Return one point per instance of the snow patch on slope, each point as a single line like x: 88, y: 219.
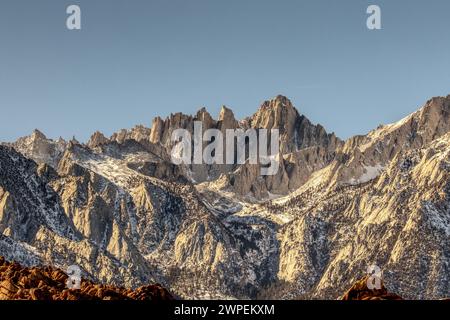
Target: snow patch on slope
x: 19, y: 251
x: 438, y: 220
x: 370, y: 173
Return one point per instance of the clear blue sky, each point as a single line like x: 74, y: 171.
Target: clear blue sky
x: 136, y: 59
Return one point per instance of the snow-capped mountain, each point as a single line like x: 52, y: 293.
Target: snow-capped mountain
x: 119, y: 208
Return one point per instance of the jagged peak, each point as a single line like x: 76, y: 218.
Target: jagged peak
x: 140, y: 127
x: 203, y: 114
x: 97, y: 139
x: 202, y: 110
x: 38, y: 135
x: 226, y: 113
x: 438, y: 99
x: 435, y: 104
x: 277, y: 112
x: 224, y: 110
x: 279, y: 107
x: 73, y: 142
x: 276, y: 102
x: 157, y: 119
x: 428, y: 116
x: 206, y: 118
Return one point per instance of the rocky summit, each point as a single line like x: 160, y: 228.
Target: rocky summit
x: 120, y: 210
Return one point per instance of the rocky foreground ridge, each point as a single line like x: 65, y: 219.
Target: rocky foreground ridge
x: 36, y: 283
x: 360, y: 291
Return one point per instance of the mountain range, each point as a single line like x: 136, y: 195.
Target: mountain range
x: 118, y: 208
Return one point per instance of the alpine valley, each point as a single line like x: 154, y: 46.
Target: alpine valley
x: 120, y: 210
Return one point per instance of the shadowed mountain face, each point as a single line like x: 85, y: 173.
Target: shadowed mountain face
x: 121, y: 211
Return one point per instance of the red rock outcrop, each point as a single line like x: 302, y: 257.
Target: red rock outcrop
x: 360, y: 291
x: 47, y: 283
